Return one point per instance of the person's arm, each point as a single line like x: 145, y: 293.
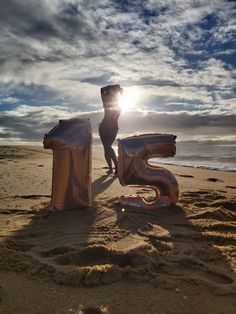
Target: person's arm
x: 110, y: 95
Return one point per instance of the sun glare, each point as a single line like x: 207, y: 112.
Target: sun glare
x: 128, y: 100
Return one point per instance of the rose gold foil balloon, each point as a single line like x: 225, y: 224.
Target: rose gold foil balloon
x: 71, y: 142
x: 134, y: 169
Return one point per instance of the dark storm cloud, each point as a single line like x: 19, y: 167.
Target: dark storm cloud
x: 32, y: 123
x: 100, y: 80
x: 44, y: 19
x: 181, y: 122
x: 28, y: 124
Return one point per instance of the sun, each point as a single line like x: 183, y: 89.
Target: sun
x: 128, y: 100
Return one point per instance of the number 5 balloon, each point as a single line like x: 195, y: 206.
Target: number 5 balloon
x: 134, y: 169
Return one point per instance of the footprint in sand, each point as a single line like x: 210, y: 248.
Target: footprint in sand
x: 93, y: 310
x: 230, y: 186
x: 214, y: 180
x: 184, y: 175
x: 31, y: 196
x: 19, y: 245
x: 91, y: 256
x: 100, y: 255
x: 213, y: 196
x: 56, y: 251
x: 198, y: 271
x: 230, y: 205
x: 195, y: 193
x: 217, y: 214
x: 213, y: 277
x: 202, y: 196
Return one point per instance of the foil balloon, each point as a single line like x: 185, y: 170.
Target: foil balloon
x: 71, y: 142
x: 134, y: 169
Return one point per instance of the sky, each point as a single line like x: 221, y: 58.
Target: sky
x: 176, y: 58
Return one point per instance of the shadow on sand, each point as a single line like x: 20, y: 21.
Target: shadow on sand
x: 189, y: 242
x: 185, y: 243
x: 101, y: 184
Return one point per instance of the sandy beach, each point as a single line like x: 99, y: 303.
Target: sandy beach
x: 179, y: 259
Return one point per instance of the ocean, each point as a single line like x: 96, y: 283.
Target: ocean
x: 218, y: 155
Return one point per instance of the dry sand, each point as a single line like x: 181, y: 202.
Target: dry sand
x: 179, y: 259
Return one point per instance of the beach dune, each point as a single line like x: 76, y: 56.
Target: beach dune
x: 178, y: 259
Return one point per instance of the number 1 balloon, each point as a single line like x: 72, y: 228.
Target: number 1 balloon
x: 71, y: 142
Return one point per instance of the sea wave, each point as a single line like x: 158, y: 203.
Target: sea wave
x: 218, y: 155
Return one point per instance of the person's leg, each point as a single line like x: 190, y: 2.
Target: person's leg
x: 107, y: 138
x: 114, y: 159
x: 110, y: 156
x: 111, y: 151
x: 107, y: 154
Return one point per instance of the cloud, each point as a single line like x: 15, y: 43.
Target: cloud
x: 31, y: 123
x: 178, y: 55
x: 183, y: 123
x: 8, y: 100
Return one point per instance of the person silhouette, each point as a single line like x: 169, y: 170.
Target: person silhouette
x: 108, y: 128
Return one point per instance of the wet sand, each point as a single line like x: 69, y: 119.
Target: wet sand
x: 180, y: 259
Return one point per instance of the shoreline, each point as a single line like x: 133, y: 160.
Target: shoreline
x: 196, y: 167
x: 98, y: 148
